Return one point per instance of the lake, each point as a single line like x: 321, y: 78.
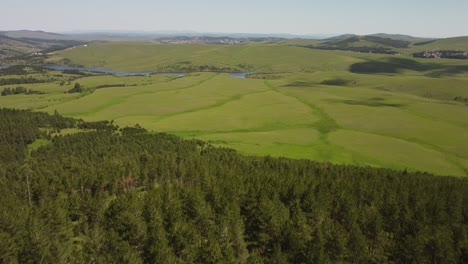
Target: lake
x: 241, y: 75
x: 107, y: 71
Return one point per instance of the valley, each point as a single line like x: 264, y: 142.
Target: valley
x: 341, y: 107
x: 241, y: 132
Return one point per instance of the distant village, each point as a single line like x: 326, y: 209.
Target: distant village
x: 212, y: 40
x: 224, y: 41
x: 438, y: 54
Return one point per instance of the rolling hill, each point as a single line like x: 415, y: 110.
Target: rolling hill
x: 13, y: 47
x: 458, y: 43
x: 356, y: 43
x: 29, y: 34
x: 383, y: 43
x: 24, y: 42
x: 401, y: 37
x: 342, y: 107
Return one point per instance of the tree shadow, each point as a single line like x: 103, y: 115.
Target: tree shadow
x: 396, y: 65
x: 300, y: 84
x: 337, y: 82
x: 372, y: 102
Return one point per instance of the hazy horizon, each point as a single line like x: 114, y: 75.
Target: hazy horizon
x: 418, y: 18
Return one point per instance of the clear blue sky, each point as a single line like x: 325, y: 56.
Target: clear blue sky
x: 430, y: 18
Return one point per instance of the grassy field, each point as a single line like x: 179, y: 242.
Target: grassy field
x: 336, y: 106
x: 255, y: 57
x: 403, y: 46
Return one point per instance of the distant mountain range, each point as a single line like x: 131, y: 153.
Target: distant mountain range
x: 390, y: 44
x: 29, y: 34
x: 32, y: 43
x: 383, y: 35
x: 157, y: 34
x: 116, y: 34
x: 27, y: 42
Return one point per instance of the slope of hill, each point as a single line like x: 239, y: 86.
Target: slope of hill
x: 191, y: 57
x: 341, y: 37
x: 342, y: 107
x: 13, y: 47
x: 458, y: 43
x: 385, y: 43
x: 29, y: 34
x: 366, y: 44
x: 21, y: 43
x: 401, y: 37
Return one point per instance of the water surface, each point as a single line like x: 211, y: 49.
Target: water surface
x: 241, y: 75
x: 108, y: 71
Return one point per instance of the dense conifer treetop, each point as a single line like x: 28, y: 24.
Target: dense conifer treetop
x: 122, y: 195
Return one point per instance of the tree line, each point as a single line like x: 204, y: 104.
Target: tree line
x: 22, y: 80
x: 123, y: 195
x: 18, y: 90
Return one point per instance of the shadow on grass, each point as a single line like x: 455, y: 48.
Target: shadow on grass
x: 373, y: 102
x: 332, y: 82
x: 300, y: 84
x: 337, y: 82
x: 395, y: 65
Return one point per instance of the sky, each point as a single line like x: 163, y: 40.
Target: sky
x: 424, y: 18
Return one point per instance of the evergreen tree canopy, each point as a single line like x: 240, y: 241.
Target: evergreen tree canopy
x: 114, y: 195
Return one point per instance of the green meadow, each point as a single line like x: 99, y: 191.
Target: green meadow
x: 336, y: 106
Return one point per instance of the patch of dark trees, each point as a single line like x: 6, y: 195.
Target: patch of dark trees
x: 98, y: 125
x: 128, y: 196
x: 21, y: 70
x: 461, y: 99
x: 338, y: 82
x: 112, y: 85
x: 189, y: 67
x: 77, y: 88
x: 22, y: 80
x: 18, y: 90
x: 76, y: 72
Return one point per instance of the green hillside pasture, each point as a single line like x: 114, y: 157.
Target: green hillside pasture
x: 459, y: 43
x: 296, y: 116
x: 395, y: 116
x: 264, y: 111
x: 36, y: 101
x: 101, y: 99
x: 411, y: 83
x: 156, y: 57
x: 397, y: 153
x: 55, y: 93
x: 106, y: 81
x: 403, y: 117
x: 155, y: 101
x: 54, y: 82
x: 298, y: 143
x: 49, y: 88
